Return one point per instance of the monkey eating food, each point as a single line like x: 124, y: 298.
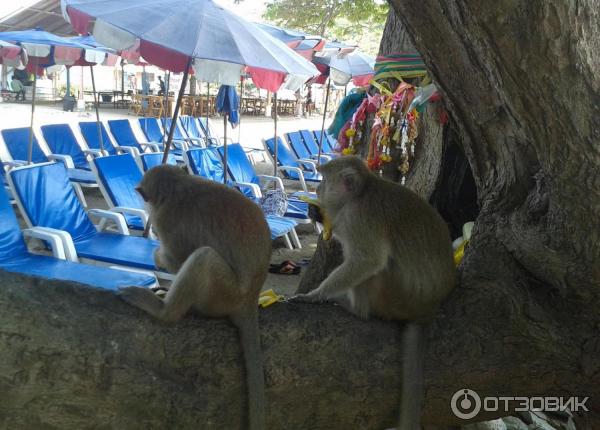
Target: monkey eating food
x: 219, y: 245
x: 398, y: 262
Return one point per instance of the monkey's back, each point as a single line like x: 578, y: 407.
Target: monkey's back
x: 205, y: 213
x: 420, y: 270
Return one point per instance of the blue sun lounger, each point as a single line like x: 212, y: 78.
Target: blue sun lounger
x: 46, y: 199
x: 152, y: 159
x: 192, y: 128
x: 207, y: 163
x: 296, y: 142
x: 89, y: 131
x: 329, y: 142
x: 292, y: 168
x: 124, y: 136
x: 61, y: 140
x: 179, y: 134
x: 17, y: 141
x: 312, y: 143
x: 244, y: 177
x: 118, y: 175
x: 154, y: 133
x: 15, y: 258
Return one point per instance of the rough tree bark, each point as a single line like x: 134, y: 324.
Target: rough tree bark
x: 521, y: 81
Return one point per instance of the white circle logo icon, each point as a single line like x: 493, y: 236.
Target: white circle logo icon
x: 465, y: 404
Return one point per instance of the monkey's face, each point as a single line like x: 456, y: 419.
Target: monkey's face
x: 160, y: 184
x: 343, y: 180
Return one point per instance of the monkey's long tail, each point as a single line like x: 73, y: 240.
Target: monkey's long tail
x: 413, y: 345
x: 255, y: 377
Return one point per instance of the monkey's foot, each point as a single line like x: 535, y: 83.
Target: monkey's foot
x: 142, y: 298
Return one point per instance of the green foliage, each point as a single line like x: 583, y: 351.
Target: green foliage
x: 345, y: 20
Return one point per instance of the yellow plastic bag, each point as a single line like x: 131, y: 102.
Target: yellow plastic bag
x: 460, y: 253
x: 267, y: 298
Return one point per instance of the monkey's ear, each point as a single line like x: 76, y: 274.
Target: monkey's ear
x: 352, y: 180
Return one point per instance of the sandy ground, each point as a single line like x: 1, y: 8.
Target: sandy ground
x: 253, y: 130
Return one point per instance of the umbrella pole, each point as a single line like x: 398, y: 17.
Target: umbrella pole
x: 96, y: 103
x: 207, y: 106
x: 323, y: 124
x: 240, y: 110
x: 68, y: 90
x: 275, y: 137
x: 167, y: 85
x: 225, y: 148
x: 30, y: 146
x: 176, y: 110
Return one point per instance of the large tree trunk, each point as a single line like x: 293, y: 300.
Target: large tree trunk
x: 80, y: 358
x: 521, y: 82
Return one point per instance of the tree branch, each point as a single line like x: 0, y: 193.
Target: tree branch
x: 75, y: 357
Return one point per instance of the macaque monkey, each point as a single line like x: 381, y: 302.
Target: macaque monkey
x: 219, y: 245
x: 397, y: 264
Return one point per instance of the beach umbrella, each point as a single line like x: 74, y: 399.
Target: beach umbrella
x: 304, y: 44
x: 43, y: 49
x: 195, y: 34
x: 12, y: 55
x: 343, y: 68
x: 228, y: 104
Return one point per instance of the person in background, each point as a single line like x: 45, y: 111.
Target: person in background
x: 309, y: 102
x: 298, y: 107
x: 18, y: 88
x: 162, y: 87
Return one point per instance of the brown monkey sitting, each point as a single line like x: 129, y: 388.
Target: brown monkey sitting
x: 398, y: 262
x: 219, y: 245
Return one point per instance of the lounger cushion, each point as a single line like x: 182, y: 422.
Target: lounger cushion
x: 120, y: 175
x: 52, y: 268
x: 89, y: 130
x: 17, y: 143
x: 118, y: 249
x: 296, y: 142
x: 81, y: 176
x: 14, y: 257
x: 61, y: 140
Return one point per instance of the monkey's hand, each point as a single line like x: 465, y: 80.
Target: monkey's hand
x: 312, y: 297
x: 317, y: 214
x: 314, y: 213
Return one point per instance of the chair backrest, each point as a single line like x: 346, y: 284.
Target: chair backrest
x: 17, y: 141
x: 119, y: 175
x: 205, y: 162
x: 47, y: 199
x: 284, y: 155
x: 177, y: 133
x: 151, y: 129
x: 190, y: 126
x: 61, y: 140
x: 12, y: 244
x: 296, y: 142
x: 205, y: 127
x: 239, y: 168
x: 310, y: 142
x: 123, y: 133
x: 328, y: 144
x: 152, y: 159
x: 89, y: 131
